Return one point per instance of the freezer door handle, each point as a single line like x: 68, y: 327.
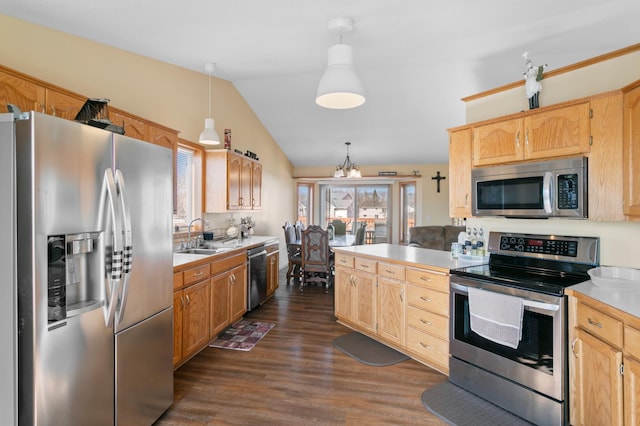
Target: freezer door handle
x: 128, y: 242
x: 113, y: 231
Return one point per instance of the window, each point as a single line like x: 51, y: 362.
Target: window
x: 355, y: 204
x: 305, y: 203
x: 407, y: 209
x: 188, y: 185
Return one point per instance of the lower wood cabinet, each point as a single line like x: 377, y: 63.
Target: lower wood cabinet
x: 604, y: 364
x: 208, y: 296
x: 273, y: 263
x: 404, y: 307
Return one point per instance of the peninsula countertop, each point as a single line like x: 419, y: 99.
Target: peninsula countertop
x: 410, y: 256
x: 625, y: 300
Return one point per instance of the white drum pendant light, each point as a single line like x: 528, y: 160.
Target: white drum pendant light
x: 340, y: 87
x: 209, y: 136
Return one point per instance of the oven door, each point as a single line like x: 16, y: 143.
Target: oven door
x: 539, y: 361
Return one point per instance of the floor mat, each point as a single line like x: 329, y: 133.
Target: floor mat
x: 242, y: 336
x: 368, y: 351
x: 458, y: 407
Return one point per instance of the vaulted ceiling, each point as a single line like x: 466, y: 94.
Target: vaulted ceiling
x: 416, y: 58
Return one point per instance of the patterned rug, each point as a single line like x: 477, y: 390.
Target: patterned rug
x: 242, y: 336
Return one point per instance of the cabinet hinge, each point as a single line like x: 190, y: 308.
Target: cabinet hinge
x: 622, y: 369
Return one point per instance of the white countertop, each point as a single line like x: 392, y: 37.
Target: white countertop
x: 409, y: 255
x: 244, y: 243
x: 626, y: 300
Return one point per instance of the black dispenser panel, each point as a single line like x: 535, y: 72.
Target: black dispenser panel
x: 56, y: 278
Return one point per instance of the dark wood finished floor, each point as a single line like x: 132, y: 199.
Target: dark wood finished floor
x: 295, y: 376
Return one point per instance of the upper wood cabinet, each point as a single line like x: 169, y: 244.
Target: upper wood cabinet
x: 233, y: 182
x: 133, y: 127
x: 460, y: 172
x: 551, y: 133
x: 631, y: 150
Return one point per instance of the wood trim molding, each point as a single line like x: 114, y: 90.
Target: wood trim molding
x: 563, y: 70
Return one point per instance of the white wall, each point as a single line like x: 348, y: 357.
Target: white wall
x: 619, y: 241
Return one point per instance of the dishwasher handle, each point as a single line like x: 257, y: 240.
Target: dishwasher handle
x: 258, y: 254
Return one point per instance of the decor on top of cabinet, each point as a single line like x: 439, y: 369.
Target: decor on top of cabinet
x: 95, y: 112
x: 533, y: 76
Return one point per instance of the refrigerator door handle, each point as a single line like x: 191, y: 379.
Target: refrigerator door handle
x: 113, y: 276
x: 128, y: 242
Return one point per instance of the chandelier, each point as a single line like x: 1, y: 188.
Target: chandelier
x: 347, y: 169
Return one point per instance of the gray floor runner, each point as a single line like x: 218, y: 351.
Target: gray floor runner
x: 368, y: 351
x: 458, y: 407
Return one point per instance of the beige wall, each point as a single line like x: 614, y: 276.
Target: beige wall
x: 618, y: 240
x: 161, y: 92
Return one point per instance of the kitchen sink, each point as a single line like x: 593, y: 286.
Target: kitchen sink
x: 204, y: 251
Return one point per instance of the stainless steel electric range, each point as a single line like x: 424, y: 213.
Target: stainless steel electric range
x: 530, y: 380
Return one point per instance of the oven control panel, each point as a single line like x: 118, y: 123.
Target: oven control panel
x: 554, y: 247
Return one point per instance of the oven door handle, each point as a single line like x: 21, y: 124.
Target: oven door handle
x: 528, y: 303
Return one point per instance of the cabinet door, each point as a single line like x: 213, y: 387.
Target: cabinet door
x: 178, y: 304
x: 390, y: 309
x: 245, y: 184
x: 133, y: 127
x: 598, y: 384
x: 496, y: 143
x: 63, y: 105
x: 631, y: 391
x: 365, y: 296
x: 256, y: 186
x: 460, y: 173
x: 234, y: 172
x: 163, y: 137
x: 24, y: 94
x: 220, y: 316
x: 631, y: 152
x: 195, y: 318
x: 238, y: 292
x: 273, y: 260
x: 556, y: 133
x: 344, y: 293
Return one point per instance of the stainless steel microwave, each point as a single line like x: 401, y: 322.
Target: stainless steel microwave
x: 555, y: 188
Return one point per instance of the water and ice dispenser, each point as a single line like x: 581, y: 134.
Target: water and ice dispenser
x: 75, y: 272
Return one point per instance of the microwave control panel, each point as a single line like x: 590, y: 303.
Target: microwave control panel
x: 568, y: 191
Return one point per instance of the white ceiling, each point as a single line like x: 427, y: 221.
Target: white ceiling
x: 416, y: 58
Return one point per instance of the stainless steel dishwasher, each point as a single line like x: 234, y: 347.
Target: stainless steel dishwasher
x: 257, y: 292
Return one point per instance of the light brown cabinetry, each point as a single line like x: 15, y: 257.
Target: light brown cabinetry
x: 228, y: 292
x: 631, y: 149
x: 408, y: 305
x: 556, y: 132
x: 604, y: 364
x: 273, y: 262
x: 460, y: 172
x: 233, y: 182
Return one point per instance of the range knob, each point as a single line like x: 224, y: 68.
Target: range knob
x: 520, y: 247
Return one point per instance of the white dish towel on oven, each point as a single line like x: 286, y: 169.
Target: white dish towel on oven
x: 496, y: 317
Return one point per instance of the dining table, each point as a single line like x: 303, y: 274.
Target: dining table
x: 344, y: 240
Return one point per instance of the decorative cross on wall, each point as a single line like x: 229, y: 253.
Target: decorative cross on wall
x: 438, y: 178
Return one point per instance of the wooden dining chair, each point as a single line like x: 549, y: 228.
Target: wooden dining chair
x: 293, y: 252
x: 317, y: 265
x: 339, y: 227
x: 360, y: 233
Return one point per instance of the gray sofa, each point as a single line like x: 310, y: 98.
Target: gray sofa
x: 434, y: 237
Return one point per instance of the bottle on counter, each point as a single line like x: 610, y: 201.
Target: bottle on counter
x: 480, y: 246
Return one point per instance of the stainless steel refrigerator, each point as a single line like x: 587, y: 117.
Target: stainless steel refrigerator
x: 93, y: 216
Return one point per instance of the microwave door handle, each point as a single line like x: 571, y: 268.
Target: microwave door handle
x: 547, y: 192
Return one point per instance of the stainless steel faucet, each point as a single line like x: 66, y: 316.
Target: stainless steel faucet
x: 189, y: 230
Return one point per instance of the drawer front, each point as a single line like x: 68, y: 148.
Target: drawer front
x: 429, y: 300
x: 632, y: 341
x: 344, y: 260
x: 196, y: 274
x: 428, y: 347
x: 390, y: 270
x: 431, y: 279
x: 178, y: 280
x: 600, y: 324
x: 367, y: 265
x: 224, y: 264
x: 428, y: 322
